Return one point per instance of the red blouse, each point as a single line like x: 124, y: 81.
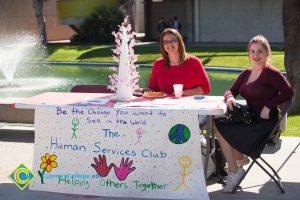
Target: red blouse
x: 191, y: 74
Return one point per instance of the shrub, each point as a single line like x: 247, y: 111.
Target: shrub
x: 98, y: 27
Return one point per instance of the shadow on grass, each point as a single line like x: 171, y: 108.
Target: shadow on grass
x: 206, y: 60
x: 98, y: 52
x: 52, y: 48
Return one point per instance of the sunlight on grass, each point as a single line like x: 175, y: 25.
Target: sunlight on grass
x: 210, y: 56
x: 293, y: 126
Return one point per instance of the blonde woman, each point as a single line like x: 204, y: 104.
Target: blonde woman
x: 264, y: 88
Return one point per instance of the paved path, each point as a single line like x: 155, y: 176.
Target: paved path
x: 18, y: 147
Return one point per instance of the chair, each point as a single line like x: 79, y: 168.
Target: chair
x: 284, y: 109
x: 91, y: 89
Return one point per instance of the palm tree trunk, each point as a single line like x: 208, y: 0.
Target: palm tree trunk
x: 291, y: 26
x: 129, y: 4
x: 38, y: 5
x: 127, y: 10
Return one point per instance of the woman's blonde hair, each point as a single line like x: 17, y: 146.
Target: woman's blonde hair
x: 181, y: 47
x: 262, y: 40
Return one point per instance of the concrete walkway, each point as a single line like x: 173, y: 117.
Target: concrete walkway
x: 16, y: 147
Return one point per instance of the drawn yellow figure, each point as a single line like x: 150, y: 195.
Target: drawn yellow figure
x: 184, y: 162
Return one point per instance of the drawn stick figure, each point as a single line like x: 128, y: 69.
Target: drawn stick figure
x: 184, y: 162
x: 75, y: 122
x: 139, y: 133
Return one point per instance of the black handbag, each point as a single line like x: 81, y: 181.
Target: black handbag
x: 241, y: 114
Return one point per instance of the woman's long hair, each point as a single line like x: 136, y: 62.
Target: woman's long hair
x: 181, y: 47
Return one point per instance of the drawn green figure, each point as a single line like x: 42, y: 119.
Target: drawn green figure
x: 184, y: 162
x: 75, y: 123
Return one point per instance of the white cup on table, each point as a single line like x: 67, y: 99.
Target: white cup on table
x: 178, y: 90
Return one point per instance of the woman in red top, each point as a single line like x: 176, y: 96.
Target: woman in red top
x: 176, y: 67
x: 264, y: 88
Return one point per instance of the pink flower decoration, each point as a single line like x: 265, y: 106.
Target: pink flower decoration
x: 134, y: 74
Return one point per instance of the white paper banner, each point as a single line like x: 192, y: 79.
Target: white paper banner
x: 120, y: 152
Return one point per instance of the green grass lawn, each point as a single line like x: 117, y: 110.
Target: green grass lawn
x: 293, y: 126
x: 210, y: 56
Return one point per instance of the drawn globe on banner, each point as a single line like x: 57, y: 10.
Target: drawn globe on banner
x: 179, y: 134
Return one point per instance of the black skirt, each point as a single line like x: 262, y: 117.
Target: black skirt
x: 249, y: 140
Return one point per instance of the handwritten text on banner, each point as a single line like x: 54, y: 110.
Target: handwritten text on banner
x: 121, y: 152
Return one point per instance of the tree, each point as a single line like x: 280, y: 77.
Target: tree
x: 38, y: 5
x: 98, y: 27
x: 291, y: 26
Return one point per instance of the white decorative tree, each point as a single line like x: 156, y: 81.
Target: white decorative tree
x: 124, y: 81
